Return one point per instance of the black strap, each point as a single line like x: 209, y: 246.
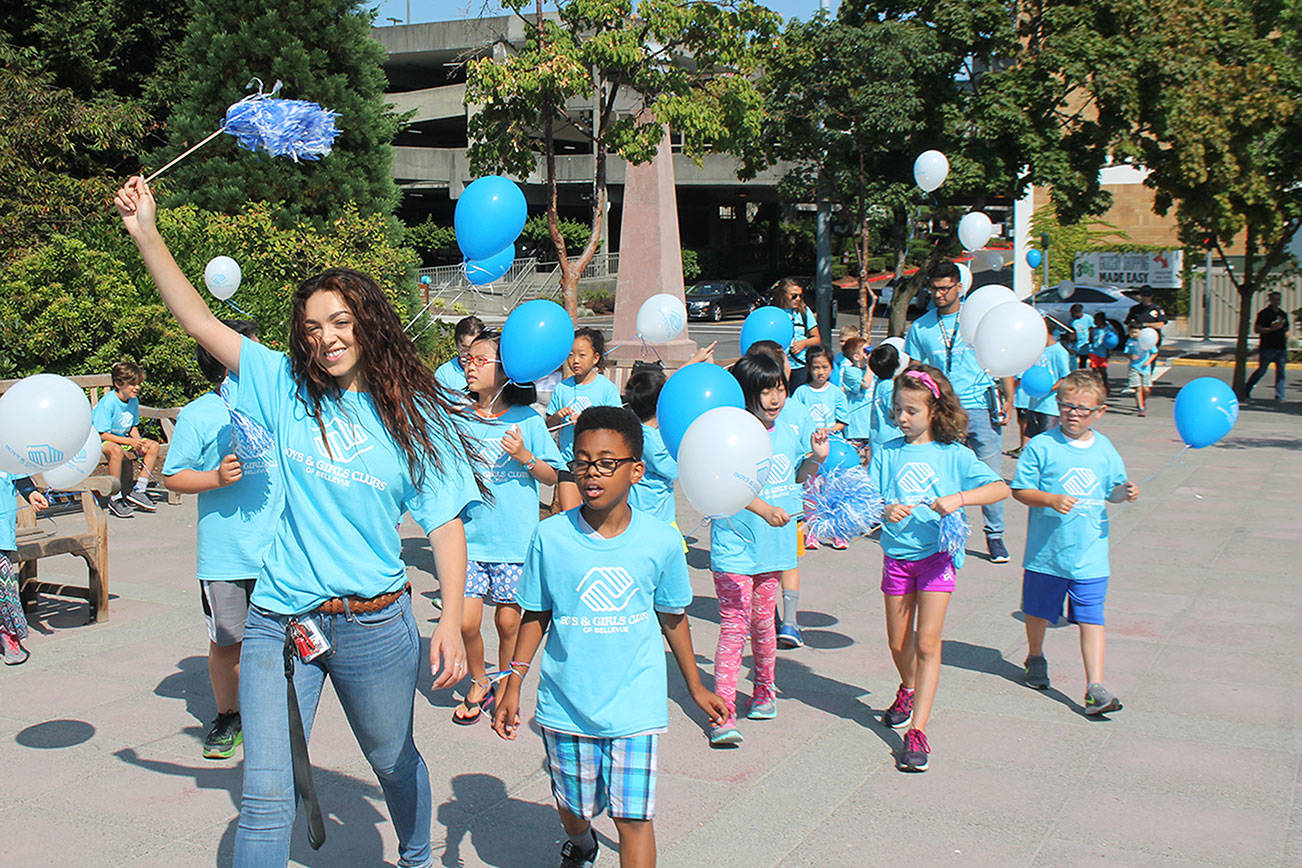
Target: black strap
x: 298, y: 751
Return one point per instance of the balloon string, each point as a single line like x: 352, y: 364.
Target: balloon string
x: 1152, y: 475
x: 237, y: 308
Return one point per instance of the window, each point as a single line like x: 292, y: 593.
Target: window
x: 1091, y: 296
x: 727, y: 212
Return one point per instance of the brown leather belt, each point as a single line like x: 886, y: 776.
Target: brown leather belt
x: 336, y: 605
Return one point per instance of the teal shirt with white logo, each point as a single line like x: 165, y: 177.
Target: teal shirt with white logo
x: 654, y: 492
x: 858, y: 387
x: 1075, y: 545
x: 827, y: 406
x: 601, y: 392
x: 499, y: 532
x: 112, y: 415
x: 935, y: 340
x: 345, y: 493
x: 236, y: 522
x: 603, y: 664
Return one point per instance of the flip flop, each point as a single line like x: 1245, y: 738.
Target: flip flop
x: 477, y: 707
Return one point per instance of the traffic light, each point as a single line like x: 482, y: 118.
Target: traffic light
x: 1044, y: 242
x: 1209, y: 241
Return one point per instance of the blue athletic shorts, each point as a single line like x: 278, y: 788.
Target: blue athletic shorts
x: 1043, y: 596
x: 592, y: 775
x: 496, y: 583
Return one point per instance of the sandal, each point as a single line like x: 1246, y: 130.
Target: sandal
x: 476, y: 708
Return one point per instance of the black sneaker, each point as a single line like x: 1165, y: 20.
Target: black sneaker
x: 120, y: 508
x: 140, y: 500
x: 1037, y: 672
x: 573, y: 857
x: 914, y: 756
x: 224, y: 737
x: 998, y: 551
x: 901, y: 711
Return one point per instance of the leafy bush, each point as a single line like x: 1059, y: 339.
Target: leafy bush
x: 691, y: 265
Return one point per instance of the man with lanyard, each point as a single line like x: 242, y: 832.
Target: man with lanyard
x: 1272, y: 325
x: 934, y: 340
x: 1148, y: 314
x: 791, y: 296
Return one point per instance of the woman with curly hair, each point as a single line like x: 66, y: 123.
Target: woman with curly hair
x: 363, y: 434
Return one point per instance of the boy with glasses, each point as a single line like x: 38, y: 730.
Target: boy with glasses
x: 1067, y: 477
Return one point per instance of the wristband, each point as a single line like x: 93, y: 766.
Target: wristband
x: 961, y: 500
x: 533, y: 459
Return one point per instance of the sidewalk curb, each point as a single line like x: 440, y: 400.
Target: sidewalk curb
x: 1201, y: 363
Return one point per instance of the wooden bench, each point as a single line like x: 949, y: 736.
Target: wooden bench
x: 83, y: 534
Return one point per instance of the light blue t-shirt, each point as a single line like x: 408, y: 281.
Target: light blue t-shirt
x: 654, y: 492
x: 499, y: 532
x: 883, y: 428
x: 345, y: 494
x: 1057, y: 361
x: 747, y: 544
x: 8, y: 513
x: 601, y: 392
x: 450, y: 375
x: 917, y: 474
x: 1097, y: 346
x: 236, y: 522
x: 839, y: 362
x: 1133, y: 349
x: 1081, y: 326
x: 934, y: 340
x: 112, y: 415
x: 804, y: 322
x: 857, y: 384
x: 1075, y: 545
x: 827, y: 406
x: 603, y: 665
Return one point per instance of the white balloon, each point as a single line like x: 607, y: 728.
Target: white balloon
x: 930, y: 170
x: 1010, y: 339
x: 661, y: 318
x: 222, y: 277
x: 80, y: 466
x: 964, y: 277
x: 723, y: 461
x: 43, y: 422
x: 977, y: 305
x: 974, y: 230
x: 1148, y: 338
x: 1065, y: 289
x: 995, y: 260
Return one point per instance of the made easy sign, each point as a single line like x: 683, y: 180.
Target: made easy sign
x: 1159, y: 269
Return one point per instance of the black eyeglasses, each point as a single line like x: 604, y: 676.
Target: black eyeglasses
x: 1078, y: 409
x: 603, y: 466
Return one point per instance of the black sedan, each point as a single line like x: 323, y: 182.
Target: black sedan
x: 715, y: 300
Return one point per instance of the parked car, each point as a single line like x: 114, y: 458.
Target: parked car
x: 1114, y: 302
x: 717, y: 299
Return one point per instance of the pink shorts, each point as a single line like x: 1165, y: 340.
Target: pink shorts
x: 933, y: 573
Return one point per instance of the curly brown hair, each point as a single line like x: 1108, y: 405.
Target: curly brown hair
x: 412, y: 405
x: 948, y: 418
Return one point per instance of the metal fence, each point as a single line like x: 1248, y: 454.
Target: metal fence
x: 1217, y: 314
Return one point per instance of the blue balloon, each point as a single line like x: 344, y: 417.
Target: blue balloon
x: 840, y: 456
x: 489, y: 216
x: 767, y: 323
x: 536, y: 339
x: 690, y: 392
x: 1034, y: 258
x: 1205, y: 411
x: 1110, y: 339
x: 1037, y: 382
x: 487, y: 270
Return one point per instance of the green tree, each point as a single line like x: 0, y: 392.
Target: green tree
x: 323, y: 51
x: 688, y: 65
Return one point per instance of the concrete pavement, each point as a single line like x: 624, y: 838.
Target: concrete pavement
x: 100, y: 731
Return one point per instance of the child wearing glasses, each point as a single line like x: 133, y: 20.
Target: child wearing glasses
x: 1067, y: 477
x: 588, y: 387
x: 517, y: 453
x: 608, y: 580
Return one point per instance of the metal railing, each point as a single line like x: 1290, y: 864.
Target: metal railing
x: 1217, y: 315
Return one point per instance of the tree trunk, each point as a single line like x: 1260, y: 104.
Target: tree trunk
x: 1241, y: 343
x: 866, y: 307
x: 899, y: 316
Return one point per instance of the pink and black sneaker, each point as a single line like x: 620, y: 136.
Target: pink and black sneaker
x: 913, y: 758
x: 901, y: 711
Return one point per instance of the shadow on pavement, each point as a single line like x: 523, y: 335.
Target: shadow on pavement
x: 190, y: 683
x: 501, y: 830
x: 52, y: 734
x: 978, y: 658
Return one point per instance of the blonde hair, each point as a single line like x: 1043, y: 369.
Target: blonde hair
x: 1083, y: 381
x: 846, y: 332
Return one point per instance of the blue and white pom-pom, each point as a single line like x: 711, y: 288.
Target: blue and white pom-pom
x: 842, y: 504
x: 954, y: 530
x: 293, y: 128
x: 249, y: 439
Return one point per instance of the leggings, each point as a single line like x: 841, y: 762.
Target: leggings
x: 746, y: 607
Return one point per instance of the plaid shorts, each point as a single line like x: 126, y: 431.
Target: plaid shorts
x: 591, y: 775
x: 497, y: 583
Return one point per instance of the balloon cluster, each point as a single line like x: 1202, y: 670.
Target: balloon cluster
x: 487, y: 220
x: 45, y: 428
x: 1007, y: 336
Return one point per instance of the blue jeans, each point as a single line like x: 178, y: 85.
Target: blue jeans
x: 987, y: 442
x: 1266, y: 358
x: 373, y: 663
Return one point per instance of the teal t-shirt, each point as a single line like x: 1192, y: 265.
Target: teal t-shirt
x: 499, y: 532
x: 827, y: 406
x: 601, y: 392
x: 857, y: 384
x: 8, y: 512
x: 345, y: 493
x: 1057, y: 361
x: 883, y: 427
x: 747, y: 544
x: 917, y: 474
x: 803, y: 322
x: 934, y: 340
x: 1075, y: 545
x: 1137, y: 355
x: 236, y: 522
x: 1081, y: 326
x: 112, y: 415
x: 654, y: 492
x: 603, y: 664
x: 450, y: 375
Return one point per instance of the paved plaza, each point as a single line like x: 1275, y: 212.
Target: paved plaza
x: 100, y: 731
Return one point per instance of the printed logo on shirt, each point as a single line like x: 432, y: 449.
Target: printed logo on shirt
x: 1080, y: 482
x: 347, y: 441
x: 822, y: 414
x: 491, y: 452
x: 916, y: 477
x: 606, y: 592
x: 125, y: 419
x: 579, y: 403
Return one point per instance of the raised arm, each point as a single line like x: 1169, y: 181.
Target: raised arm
x: 135, y: 203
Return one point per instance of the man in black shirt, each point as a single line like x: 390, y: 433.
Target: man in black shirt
x: 1148, y: 314
x: 1272, y: 325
